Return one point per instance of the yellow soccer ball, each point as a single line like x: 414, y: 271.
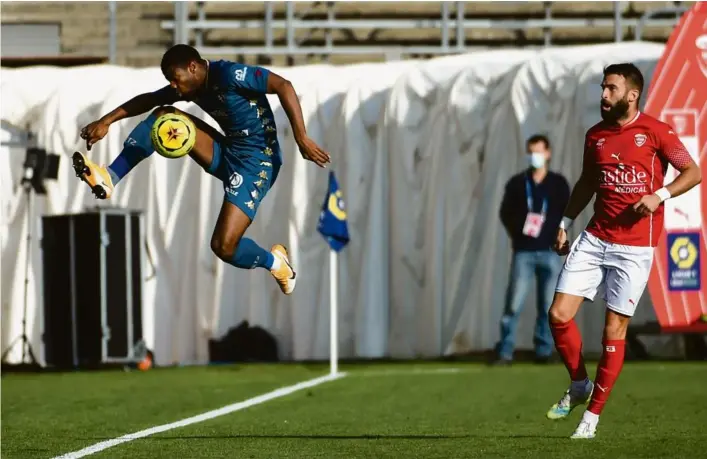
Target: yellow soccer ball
x: 173, y: 135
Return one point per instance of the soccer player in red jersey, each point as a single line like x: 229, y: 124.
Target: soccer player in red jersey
x: 626, y: 157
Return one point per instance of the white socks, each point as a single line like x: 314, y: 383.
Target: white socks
x: 276, y: 263
x: 113, y: 177
x: 590, y: 418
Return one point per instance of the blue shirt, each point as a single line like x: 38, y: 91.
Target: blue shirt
x: 235, y: 98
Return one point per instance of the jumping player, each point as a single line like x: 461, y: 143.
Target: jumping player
x: 247, y: 159
x: 625, y: 160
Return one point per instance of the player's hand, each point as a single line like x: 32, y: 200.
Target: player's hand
x: 312, y: 152
x: 94, y: 132
x: 562, y: 245
x: 647, y: 205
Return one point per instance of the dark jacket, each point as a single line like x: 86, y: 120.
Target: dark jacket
x: 514, y: 209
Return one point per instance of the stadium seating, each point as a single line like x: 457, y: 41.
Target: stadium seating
x: 142, y: 37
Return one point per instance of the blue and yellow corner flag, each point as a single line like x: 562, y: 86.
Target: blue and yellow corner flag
x: 332, y: 221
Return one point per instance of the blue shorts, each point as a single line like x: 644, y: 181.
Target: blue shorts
x: 247, y: 175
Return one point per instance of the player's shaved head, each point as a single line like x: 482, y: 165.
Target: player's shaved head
x: 186, y: 71
x: 178, y: 56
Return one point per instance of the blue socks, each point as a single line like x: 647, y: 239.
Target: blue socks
x: 250, y: 255
x: 136, y: 147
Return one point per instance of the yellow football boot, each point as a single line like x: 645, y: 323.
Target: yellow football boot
x: 96, y: 176
x: 284, y: 274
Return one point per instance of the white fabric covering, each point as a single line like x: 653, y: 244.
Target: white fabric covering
x: 422, y: 150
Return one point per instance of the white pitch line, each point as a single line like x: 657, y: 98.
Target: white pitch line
x: 417, y: 371
x: 93, y: 449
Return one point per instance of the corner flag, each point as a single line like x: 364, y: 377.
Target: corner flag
x: 332, y: 225
x: 332, y: 220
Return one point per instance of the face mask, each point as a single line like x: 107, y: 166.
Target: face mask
x: 536, y: 160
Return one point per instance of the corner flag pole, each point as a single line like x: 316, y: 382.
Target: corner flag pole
x: 333, y: 312
x: 332, y: 225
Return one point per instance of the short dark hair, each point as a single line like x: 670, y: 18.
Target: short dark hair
x: 178, y: 56
x: 628, y: 71
x: 539, y: 138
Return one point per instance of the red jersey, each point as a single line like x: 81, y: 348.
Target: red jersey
x: 626, y: 163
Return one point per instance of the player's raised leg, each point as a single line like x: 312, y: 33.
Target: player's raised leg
x: 580, y: 277
x: 137, y: 147
x: 230, y: 246
x: 568, y: 342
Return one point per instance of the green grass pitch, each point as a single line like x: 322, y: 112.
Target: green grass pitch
x: 406, y: 410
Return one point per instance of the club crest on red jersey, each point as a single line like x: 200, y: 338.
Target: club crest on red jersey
x: 640, y: 139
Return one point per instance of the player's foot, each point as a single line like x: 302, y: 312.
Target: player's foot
x: 574, y: 397
x: 587, y: 427
x: 282, y: 270
x: 97, y: 177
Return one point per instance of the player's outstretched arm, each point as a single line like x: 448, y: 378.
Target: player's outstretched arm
x: 290, y: 103
x: 138, y: 105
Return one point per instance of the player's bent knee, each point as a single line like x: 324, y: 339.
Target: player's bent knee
x: 564, y: 307
x: 561, y: 312
x: 616, y: 326
x: 558, y: 315
x: 223, y: 249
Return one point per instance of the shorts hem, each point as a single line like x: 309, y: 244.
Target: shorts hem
x: 250, y: 213
x: 575, y: 293
x: 621, y: 311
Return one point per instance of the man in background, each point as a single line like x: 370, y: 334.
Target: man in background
x: 532, y: 207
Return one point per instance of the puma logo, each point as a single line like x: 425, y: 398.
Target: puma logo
x: 603, y: 389
x: 616, y: 155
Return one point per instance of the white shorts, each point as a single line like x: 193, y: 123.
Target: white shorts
x: 622, y: 271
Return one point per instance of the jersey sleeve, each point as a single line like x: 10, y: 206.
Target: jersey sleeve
x: 167, y: 95
x: 248, y: 77
x: 671, y: 149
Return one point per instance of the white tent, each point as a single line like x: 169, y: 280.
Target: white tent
x: 422, y: 150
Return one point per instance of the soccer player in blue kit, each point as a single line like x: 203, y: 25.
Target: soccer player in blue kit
x: 247, y: 159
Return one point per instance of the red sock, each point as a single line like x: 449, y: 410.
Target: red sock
x: 612, y: 360
x: 568, y: 342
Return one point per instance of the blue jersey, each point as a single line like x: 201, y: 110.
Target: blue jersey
x: 235, y: 98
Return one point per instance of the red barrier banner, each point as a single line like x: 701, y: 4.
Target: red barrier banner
x: 678, y: 96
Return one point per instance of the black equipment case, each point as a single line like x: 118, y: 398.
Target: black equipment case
x: 93, y: 288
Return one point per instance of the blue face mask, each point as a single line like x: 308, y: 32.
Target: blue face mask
x: 536, y: 160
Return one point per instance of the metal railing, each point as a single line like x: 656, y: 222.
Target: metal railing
x: 679, y: 10
x: 182, y: 26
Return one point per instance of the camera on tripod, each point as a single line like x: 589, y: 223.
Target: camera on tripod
x: 38, y: 167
